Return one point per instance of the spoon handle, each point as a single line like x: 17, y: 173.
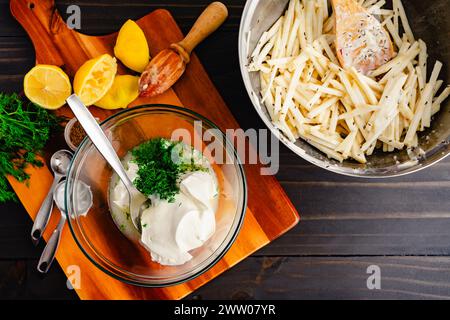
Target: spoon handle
x: 48, y: 255
x: 98, y: 137
x: 44, y: 213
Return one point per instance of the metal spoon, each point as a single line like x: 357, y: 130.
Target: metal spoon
x: 101, y: 142
x: 83, y: 197
x: 59, y: 164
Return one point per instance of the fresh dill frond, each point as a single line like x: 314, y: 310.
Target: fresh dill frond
x: 24, y: 130
x: 158, y: 173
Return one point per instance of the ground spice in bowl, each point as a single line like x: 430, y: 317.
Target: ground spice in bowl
x: 74, y: 133
x: 77, y: 134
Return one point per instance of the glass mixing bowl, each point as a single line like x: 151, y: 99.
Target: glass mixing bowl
x: 96, y: 233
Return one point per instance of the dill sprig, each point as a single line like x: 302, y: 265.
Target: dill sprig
x: 158, y: 174
x: 24, y: 130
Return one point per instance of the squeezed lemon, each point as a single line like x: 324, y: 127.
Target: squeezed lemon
x: 94, y: 78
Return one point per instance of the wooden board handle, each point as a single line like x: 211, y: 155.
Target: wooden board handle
x: 41, y: 21
x: 208, y: 22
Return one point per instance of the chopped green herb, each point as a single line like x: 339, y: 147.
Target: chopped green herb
x: 24, y: 130
x: 158, y: 174
x: 144, y: 225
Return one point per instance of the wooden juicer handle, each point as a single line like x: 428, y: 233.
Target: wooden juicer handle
x: 208, y: 22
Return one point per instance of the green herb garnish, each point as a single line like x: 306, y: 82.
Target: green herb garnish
x: 158, y: 174
x: 24, y: 130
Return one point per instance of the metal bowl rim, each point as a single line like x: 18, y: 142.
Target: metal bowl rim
x: 247, y: 14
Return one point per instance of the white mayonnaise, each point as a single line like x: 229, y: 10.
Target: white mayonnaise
x: 169, y: 230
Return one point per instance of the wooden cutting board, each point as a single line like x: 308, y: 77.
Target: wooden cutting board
x: 270, y: 213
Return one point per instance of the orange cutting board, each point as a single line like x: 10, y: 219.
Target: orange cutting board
x: 270, y: 213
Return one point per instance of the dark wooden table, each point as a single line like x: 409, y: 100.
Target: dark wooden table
x: 401, y: 225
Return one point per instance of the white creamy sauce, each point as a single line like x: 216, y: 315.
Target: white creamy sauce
x: 119, y: 201
x: 82, y: 194
x: 170, y: 230
x: 120, y: 196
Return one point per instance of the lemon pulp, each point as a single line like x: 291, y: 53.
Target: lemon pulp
x: 94, y: 78
x: 47, y: 86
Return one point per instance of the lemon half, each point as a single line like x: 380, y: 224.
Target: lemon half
x: 94, y: 78
x: 47, y: 86
x: 124, y: 91
x: 132, y: 47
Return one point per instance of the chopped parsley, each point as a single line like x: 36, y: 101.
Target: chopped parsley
x: 158, y: 174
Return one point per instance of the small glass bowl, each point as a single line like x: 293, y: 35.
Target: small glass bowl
x: 68, y: 129
x: 97, y: 235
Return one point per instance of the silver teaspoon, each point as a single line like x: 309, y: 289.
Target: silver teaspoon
x: 59, y: 164
x: 83, y: 197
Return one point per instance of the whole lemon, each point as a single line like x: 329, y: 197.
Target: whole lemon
x: 132, y: 47
x: 124, y: 90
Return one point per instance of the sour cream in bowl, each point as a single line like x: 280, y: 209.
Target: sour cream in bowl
x: 179, y: 220
x: 197, y: 201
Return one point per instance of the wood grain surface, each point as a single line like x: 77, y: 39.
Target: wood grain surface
x: 56, y: 44
x: 401, y: 225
